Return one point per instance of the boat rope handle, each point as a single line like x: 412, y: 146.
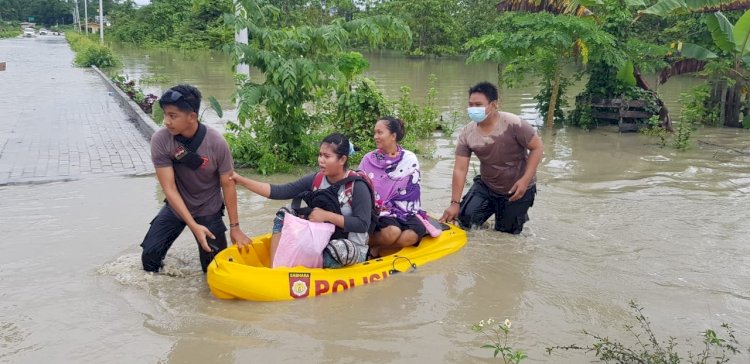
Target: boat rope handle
x: 412, y: 266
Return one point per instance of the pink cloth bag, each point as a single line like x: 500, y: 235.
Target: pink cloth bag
x: 302, y: 243
x: 432, y: 230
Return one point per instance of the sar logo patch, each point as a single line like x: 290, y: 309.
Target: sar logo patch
x: 299, y: 284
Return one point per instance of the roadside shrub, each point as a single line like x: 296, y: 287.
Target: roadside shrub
x: 145, y: 102
x: 89, y: 52
x: 9, y: 29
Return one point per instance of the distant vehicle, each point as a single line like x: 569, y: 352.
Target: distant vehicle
x: 43, y: 32
x: 29, y: 32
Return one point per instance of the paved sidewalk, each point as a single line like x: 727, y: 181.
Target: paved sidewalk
x: 57, y: 121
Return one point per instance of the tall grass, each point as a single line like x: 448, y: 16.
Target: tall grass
x: 9, y: 29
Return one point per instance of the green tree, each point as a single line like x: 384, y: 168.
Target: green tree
x: 183, y: 24
x: 544, y: 44
x: 47, y: 12
x: 435, y: 24
x: 616, y: 74
x: 299, y: 65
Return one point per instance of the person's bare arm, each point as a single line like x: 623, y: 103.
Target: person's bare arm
x: 261, y: 188
x: 229, y: 190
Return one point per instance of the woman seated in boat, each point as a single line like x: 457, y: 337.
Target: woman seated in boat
x: 395, y: 174
x: 354, y: 198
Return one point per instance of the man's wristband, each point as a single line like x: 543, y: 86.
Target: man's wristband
x: 455, y: 202
x: 236, y: 224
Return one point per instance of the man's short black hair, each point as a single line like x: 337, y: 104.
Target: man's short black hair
x: 485, y: 88
x: 190, y: 100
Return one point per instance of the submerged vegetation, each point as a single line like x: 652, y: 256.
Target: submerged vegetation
x: 647, y: 348
x: 642, y: 346
x: 312, y: 85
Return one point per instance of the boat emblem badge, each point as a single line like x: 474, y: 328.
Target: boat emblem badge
x: 299, y: 284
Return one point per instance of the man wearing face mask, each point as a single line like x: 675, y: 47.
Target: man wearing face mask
x: 509, y: 151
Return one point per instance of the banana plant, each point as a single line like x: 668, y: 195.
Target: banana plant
x: 560, y: 7
x: 732, y: 40
x: 667, y: 7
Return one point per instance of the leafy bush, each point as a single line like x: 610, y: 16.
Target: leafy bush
x: 357, y: 111
x: 251, y: 144
x: 89, y: 52
x: 654, y: 129
x: 352, y: 112
x: 419, y: 122
x: 697, y: 107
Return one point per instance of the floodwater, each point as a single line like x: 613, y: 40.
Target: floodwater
x: 617, y: 218
x: 212, y: 73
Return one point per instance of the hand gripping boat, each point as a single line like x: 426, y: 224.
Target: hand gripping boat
x: 248, y: 276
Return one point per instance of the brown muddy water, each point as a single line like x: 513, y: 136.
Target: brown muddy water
x: 616, y: 218
x: 212, y: 73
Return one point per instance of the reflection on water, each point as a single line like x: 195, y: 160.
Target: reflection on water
x: 212, y: 73
x: 616, y: 218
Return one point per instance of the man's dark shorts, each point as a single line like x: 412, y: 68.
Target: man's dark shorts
x: 481, y: 202
x: 166, y: 227
x: 411, y: 223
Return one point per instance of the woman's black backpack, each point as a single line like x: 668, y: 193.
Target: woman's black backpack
x: 328, y: 199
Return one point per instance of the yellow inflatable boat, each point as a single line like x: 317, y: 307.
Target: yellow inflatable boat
x: 247, y: 275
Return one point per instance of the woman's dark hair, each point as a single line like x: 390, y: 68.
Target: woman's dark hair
x: 395, y: 126
x: 340, y: 144
x: 186, y: 98
x: 485, y: 88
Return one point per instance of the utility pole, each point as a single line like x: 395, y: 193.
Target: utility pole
x: 241, y: 37
x: 86, y: 14
x: 101, y: 22
x: 77, y: 16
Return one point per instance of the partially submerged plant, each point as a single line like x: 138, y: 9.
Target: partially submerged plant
x: 498, y: 334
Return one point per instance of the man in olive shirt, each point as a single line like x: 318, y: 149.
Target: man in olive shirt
x: 193, y: 165
x: 509, y: 151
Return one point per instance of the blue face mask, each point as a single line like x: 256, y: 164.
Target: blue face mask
x: 477, y: 114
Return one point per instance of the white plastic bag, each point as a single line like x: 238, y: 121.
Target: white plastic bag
x: 302, y: 242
